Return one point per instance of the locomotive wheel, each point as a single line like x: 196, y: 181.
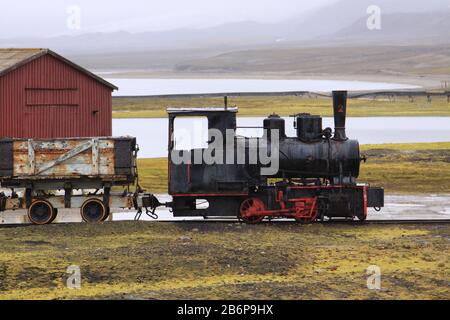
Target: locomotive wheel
x: 41, y: 212
x: 249, y: 209
x: 304, y: 220
x: 93, y: 210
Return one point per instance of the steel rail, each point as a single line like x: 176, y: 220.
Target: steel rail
x: 281, y: 221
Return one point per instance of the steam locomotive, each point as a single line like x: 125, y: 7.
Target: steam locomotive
x: 315, y: 176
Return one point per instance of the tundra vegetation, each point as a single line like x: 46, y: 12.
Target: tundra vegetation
x: 186, y: 260
x: 149, y: 107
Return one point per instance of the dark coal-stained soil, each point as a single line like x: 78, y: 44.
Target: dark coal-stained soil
x: 124, y: 260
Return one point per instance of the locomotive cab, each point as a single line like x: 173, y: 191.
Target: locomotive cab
x: 199, y: 187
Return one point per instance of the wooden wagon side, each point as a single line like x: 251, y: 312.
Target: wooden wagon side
x: 82, y: 162
x: 50, y: 170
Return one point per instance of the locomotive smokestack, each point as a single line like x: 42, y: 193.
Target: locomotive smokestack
x: 340, y: 111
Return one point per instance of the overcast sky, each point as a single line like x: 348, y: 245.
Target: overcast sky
x: 50, y: 17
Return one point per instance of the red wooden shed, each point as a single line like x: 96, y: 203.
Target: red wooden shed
x: 44, y: 95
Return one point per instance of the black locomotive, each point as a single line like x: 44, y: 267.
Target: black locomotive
x: 316, y: 176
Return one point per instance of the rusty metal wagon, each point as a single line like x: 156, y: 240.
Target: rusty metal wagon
x: 49, y: 171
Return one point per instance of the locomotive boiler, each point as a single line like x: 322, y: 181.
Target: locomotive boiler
x: 314, y: 152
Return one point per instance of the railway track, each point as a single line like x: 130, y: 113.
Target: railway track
x: 336, y: 221
x: 412, y: 221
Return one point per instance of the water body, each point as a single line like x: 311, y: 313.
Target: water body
x: 143, y: 87
x: 152, y: 134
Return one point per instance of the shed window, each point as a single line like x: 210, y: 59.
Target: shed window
x: 52, y: 97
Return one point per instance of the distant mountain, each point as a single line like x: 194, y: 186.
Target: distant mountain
x: 234, y: 35
x: 399, y: 28
x: 299, y: 61
x: 345, y: 13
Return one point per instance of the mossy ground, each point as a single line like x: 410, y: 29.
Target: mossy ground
x: 139, y: 107
x: 399, y: 168
x: 225, y: 261
x: 408, y: 168
x: 236, y: 261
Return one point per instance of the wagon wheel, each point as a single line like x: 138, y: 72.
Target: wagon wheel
x: 41, y: 212
x: 93, y: 210
x: 108, y: 212
x: 55, y: 213
x: 249, y: 209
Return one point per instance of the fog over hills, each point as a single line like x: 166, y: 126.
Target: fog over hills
x: 345, y: 20
x: 228, y: 35
x: 414, y: 39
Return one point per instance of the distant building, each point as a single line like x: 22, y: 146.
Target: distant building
x: 44, y: 95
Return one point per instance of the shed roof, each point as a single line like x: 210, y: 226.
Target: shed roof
x: 13, y: 58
